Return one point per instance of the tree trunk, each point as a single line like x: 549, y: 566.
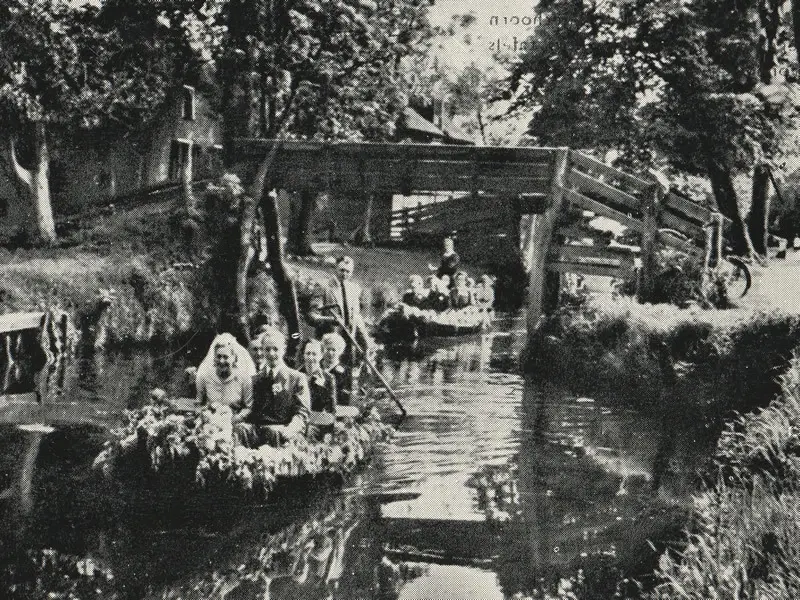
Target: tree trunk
x: 35, y: 183
x: 725, y: 195
x: 302, y: 231
x: 246, y: 253
x: 366, y: 232
x: 796, y: 24
x: 186, y: 182
x: 286, y: 290
x: 758, y: 219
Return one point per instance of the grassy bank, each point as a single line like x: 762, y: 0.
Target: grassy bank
x: 743, y: 536
x: 131, y: 257
x: 644, y: 354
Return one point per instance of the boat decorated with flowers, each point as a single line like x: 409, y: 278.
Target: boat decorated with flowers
x: 405, y: 322
x: 176, y: 445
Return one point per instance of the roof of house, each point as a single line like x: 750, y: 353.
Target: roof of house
x: 454, y: 133
x: 413, y: 121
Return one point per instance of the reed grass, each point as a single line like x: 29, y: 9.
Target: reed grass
x: 742, y: 542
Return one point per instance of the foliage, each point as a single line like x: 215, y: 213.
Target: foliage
x: 743, y: 539
x: 67, y: 69
x: 319, y: 70
x: 52, y: 575
x: 204, y: 442
x: 714, y: 360
x: 679, y: 280
x: 465, y: 83
x: 699, y: 83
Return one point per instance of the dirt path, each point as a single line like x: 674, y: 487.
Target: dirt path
x: 777, y: 286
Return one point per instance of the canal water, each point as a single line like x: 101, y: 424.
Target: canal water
x: 491, y: 489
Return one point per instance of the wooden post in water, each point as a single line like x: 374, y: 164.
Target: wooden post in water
x: 650, y: 209
x: 540, y: 234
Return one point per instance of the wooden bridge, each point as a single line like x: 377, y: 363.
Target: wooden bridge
x: 543, y: 198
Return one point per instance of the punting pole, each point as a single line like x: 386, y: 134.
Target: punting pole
x: 369, y: 363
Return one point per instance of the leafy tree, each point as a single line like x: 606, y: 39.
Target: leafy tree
x: 66, y: 69
x: 313, y: 70
x: 693, y: 82
x: 466, y: 81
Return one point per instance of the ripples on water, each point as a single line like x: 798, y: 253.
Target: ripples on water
x: 481, y: 495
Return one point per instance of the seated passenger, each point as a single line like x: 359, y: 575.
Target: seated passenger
x: 257, y: 352
x: 333, y: 346
x: 484, y: 292
x: 417, y: 295
x: 321, y: 384
x: 460, y: 295
x: 281, y: 400
x: 225, y: 375
x: 438, y: 299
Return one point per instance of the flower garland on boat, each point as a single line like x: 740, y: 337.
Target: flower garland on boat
x: 167, y: 437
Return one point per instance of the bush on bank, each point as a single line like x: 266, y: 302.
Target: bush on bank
x: 654, y: 353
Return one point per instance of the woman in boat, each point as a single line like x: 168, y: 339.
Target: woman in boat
x: 321, y: 384
x: 417, y: 295
x: 460, y: 294
x: 226, y: 375
x: 438, y: 299
x: 484, y: 292
x: 449, y: 260
x: 333, y: 347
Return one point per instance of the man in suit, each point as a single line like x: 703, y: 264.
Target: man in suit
x: 342, y: 296
x: 281, y: 399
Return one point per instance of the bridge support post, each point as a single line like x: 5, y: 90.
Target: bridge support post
x: 650, y: 209
x: 539, y: 237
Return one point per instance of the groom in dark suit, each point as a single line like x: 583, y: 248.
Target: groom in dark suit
x: 281, y: 400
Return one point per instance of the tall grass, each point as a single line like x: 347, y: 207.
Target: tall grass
x: 743, y: 537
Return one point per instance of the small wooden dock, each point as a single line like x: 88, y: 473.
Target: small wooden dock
x: 23, y: 321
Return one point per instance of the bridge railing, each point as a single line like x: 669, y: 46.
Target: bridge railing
x: 591, y: 186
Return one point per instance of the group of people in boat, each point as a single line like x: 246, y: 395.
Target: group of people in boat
x: 271, y: 402
x: 440, y: 294
x: 449, y: 288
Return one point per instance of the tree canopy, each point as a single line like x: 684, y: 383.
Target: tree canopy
x: 66, y: 69
x: 709, y: 87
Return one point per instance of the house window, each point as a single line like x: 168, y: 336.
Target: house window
x: 187, y: 104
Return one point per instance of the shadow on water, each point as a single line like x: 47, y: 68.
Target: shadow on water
x: 491, y: 487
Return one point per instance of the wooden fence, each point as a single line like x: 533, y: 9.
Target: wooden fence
x: 593, y: 187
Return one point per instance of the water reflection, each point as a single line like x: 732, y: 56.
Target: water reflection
x: 492, y: 487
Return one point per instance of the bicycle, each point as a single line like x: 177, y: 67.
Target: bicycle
x: 723, y: 276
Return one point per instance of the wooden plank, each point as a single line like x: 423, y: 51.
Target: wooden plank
x: 443, y: 182
x: 679, y: 244
x: 22, y: 321
x: 688, y: 228
x: 601, y: 209
x: 350, y: 167
x: 695, y: 211
x: 25, y: 398
x: 258, y: 147
x: 588, y: 269
x: 586, y: 183
x: 577, y: 253
x: 580, y: 232
x: 591, y: 164
x: 537, y: 240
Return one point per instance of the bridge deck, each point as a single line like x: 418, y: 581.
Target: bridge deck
x: 14, y: 322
